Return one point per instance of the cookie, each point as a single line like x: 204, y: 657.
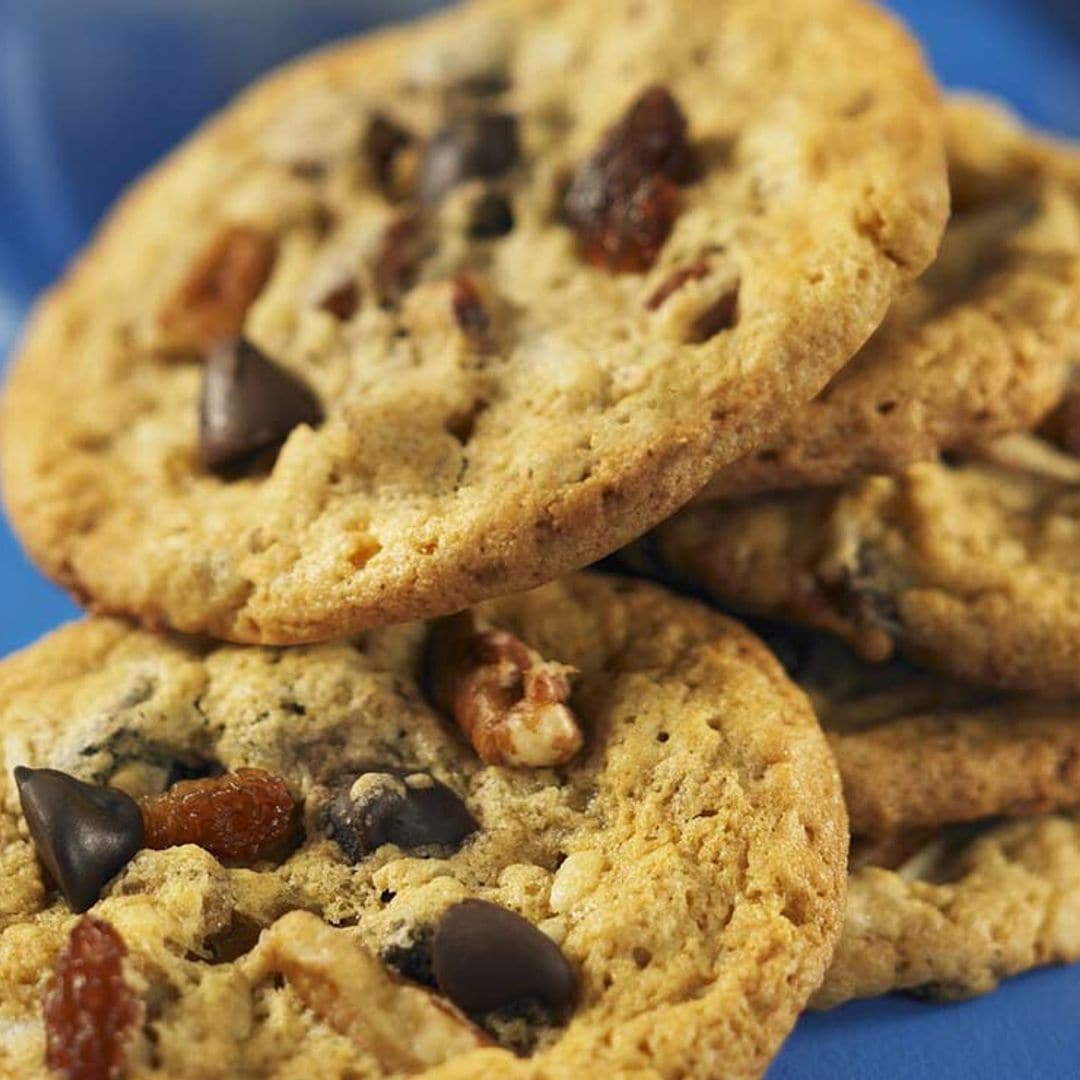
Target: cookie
x: 917, y: 751
x: 971, y: 568
x: 961, y: 914
x: 980, y: 345
x: 663, y: 901
x: 509, y: 286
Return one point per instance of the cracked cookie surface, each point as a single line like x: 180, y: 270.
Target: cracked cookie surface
x: 980, y: 345
x: 389, y: 224
x: 972, y: 569
x: 688, y: 862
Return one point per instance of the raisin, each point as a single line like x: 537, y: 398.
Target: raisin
x: 404, y: 246
x: 242, y: 816
x: 469, y: 311
x: 89, y: 1009
x: 222, y: 284
x: 622, y: 201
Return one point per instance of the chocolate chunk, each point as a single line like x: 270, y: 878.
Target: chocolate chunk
x: 394, y: 806
x: 491, y: 216
x: 384, y: 140
x: 622, y: 201
x: 84, y: 835
x: 487, y: 958
x: 478, y: 145
x: 248, y: 405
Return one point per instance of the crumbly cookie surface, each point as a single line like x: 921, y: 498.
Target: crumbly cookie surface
x: 917, y: 751
x: 980, y: 345
x: 962, y: 914
x: 972, y: 569
x: 689, y: 862
x: 479, y: 437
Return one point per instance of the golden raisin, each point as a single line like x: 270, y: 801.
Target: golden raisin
x: 89, y: 1009
x: 241, y: 816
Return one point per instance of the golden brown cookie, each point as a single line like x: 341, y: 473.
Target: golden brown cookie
x: 917, y: 751
x: 662, y: 902
x: 960, y: 915
x: 511, y: 285
x: 972, y: 568
x: 980, y: 345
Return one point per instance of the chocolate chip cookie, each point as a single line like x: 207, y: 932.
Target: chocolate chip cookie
x: 317, y: 861
x: 917, y: 751
x: 962, y: 913
x: 980, y: 345
x: 442, y: 313
x: 972, y: 568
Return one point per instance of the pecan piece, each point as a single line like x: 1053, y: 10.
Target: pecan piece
x: 508, y: 700
x: 223, y: 283
x: 406, y: 1027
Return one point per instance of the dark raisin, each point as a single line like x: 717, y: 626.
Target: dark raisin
x: 622, y: 201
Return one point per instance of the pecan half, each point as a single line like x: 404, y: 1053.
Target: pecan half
x: 406, y: 1027
x: 509, y: 701
x: 223, y: 283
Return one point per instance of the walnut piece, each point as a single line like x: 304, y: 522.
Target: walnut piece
x: 406, y: 1027
x: 225, y: 280
x: 509, y: 701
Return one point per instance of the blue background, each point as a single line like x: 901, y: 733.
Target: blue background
x: 91, y: 91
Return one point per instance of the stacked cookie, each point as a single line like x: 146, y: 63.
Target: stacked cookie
x: 925, y: 511
x: 451, y: 312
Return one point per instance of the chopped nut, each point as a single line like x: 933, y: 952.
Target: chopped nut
x: 1024, y: 452
x: 509, y: 701
x: 224, y: 282
x: 406, y: 1027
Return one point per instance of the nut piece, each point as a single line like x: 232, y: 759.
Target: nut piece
x: 224, y: 282
x: 406, y: 1027
x: 508, y: 700
x: 1025, y: 452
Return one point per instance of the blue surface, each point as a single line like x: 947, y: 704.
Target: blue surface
x: 91, y: 91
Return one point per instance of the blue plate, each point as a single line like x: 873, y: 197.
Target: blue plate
x: 91, y: 91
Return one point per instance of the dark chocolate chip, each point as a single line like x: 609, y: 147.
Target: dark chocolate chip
x: 248, y: 404
x: 479, y: 145
x: 470, y: 312
x: 84, y: 835
x: 487, y: 958
x: 491, y: 216
x: 384, y: 140
x: 395, y: 806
